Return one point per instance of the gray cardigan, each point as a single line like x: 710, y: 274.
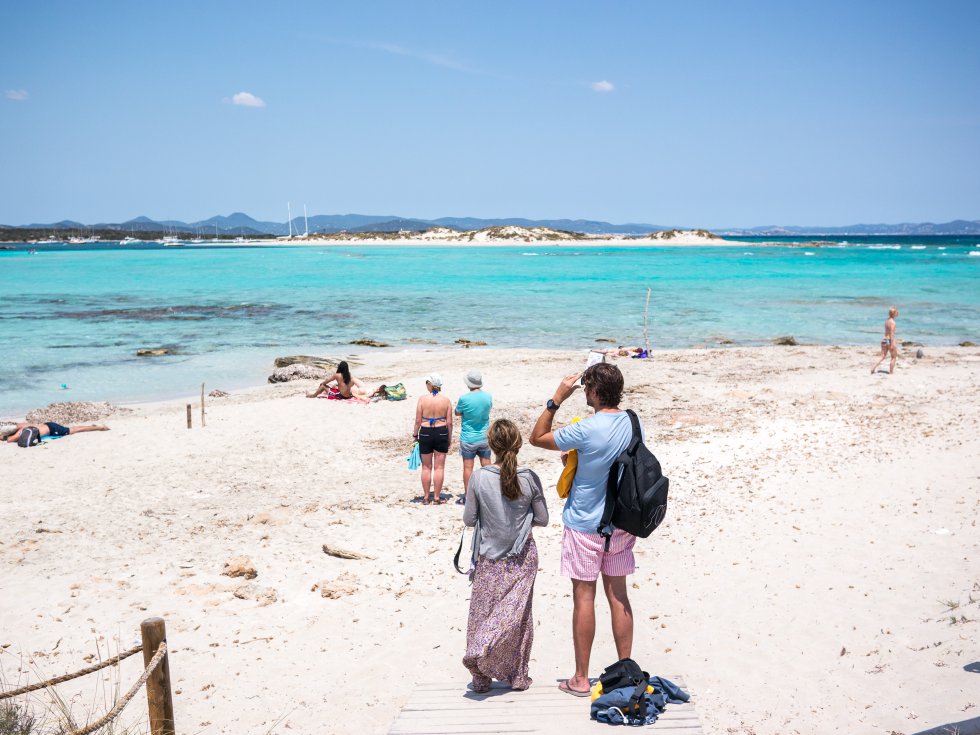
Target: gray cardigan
x: 505, y: 525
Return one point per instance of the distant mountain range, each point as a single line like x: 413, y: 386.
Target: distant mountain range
x: 239, y: 223
x: 956, y: 227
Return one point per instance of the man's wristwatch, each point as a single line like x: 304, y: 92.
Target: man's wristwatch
x: 551, y: 405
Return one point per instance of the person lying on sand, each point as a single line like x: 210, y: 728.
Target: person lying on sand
x: 626, y: 352
x: 340, y: 386
x: 50, y: 428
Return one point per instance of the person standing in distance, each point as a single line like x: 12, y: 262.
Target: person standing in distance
x: 474, y: 410
x: 889, y: 346
x: 599, y: 439
x: 433, y: 431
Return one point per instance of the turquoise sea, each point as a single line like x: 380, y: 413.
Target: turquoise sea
x: 74, y: 316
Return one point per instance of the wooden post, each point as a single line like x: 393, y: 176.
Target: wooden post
x: 188, y: 415
x: 159, y: 699
x: 202, y: 405
x: 646, y: 336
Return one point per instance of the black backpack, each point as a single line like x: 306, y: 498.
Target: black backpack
x: 636, y: 500
x: 627, y: 673
x: 29, y: 436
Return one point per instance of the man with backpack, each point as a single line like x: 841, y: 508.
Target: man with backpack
x: 587, y: 553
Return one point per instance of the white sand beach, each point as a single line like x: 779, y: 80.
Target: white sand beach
x: 509, y: 236
x: 817, y: 572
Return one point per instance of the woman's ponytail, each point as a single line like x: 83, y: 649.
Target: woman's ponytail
x: 505, y: 440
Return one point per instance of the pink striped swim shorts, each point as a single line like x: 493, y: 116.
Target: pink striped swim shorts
x: 583, y: 555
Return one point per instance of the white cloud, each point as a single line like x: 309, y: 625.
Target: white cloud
x: 602, y: 86
x: 247, y: 99
x: 18, y: 95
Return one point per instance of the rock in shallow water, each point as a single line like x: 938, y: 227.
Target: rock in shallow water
x: 787, y: 341
x: 370, y: 343
x: 73, y: 412
x: 299, y: 372
x: 326, y: 363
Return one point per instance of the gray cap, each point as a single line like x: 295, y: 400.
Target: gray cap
x: 473, y: 379
x: 434, y: 379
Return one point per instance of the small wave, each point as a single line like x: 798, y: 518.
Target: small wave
x: 918, y: 247
x: 884, y: 247
x: 943, y: 247
x: 974, y: 253
x: 809, y: 252
x: 748, y: 253
x: 530, y: 253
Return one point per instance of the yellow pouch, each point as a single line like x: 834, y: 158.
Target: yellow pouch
x: 568, y: 473
x: 597, y: 691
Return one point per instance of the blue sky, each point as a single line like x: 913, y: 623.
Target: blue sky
x: 701, y: 113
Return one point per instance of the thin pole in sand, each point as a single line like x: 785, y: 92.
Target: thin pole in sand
x: 159, y: 699
x: 188, y: 415
x: 202, y: 405
x: 646, y: 335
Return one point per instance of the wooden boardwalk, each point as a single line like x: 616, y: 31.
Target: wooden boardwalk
x: 441, y: 709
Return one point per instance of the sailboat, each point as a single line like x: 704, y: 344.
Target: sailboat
x: 171, y: 240
x: 289, y: 217
x: 306, y: 225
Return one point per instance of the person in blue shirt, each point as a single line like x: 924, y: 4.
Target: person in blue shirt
x: 599, y: 440
x: 474, y: 408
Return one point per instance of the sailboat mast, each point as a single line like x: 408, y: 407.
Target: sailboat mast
x: 306, y: 223
x: 289, y: 214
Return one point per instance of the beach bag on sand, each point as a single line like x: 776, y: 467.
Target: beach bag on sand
x: 396, y: 392
x: 636, y: 492
x: 624, y: 673
x: 29, y: 437
x: 627, y: 673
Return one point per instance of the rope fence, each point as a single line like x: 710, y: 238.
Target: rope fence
x: 68, y: 677
x: 155, y: 677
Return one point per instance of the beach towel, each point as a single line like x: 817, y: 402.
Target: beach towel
x: 414, y: 457
x: 333, y: 394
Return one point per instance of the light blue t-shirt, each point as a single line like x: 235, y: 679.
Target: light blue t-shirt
x: 599, y: 439
x: 474, y: 407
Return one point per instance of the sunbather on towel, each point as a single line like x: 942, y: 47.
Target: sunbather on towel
x: 637, y: 352
x: 340, y: 386
x: 50, y: 428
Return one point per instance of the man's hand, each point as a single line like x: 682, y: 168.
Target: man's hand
x: 541, y: 434
x: 566, y: 387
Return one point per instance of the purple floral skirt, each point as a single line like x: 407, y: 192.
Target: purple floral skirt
x: 500, y: 629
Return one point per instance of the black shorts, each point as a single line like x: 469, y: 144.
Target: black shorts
x: 434, y: 439
x: 57, y: 429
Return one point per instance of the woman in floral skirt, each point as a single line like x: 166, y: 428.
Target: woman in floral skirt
x: 503, y: 501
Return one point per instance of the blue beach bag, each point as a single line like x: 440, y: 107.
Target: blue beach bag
x: 414, y: 457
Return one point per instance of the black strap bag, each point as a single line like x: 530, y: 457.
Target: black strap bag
x: 627, y: 673
x: 636, y: 492
x: 29, y: 436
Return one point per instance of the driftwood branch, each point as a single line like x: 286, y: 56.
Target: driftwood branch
x: 343, y: 553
